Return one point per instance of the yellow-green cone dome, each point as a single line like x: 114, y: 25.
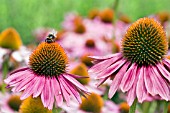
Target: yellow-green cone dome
x: 145, y: 42
x: 10, y: 39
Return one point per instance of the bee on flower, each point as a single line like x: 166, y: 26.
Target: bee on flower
x: 46, y: 76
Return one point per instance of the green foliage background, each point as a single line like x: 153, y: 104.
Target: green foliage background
x: 26, y: 15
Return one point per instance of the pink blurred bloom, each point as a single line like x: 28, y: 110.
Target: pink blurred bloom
x: 120, y: 30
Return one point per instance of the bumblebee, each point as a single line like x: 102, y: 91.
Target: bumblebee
x: 51, y: 37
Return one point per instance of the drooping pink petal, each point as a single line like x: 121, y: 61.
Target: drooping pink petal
x: 23, y: 84
x: 141, y: 91
x: 99, y: 67
x: 64, y: 91
x: 117, y: 80
x: 160, y: 85
x: 101, y: 81
x: 128, y: 78
x: 46, y: 93
x: 149, y: 81
x: 106, y: 57
x: 16, y: 77
x: 163, y: 71
x: 77, y: 76
x: 18, y: 70
x: 110, y: 70
x: 28, y: 89
x: 39, y: 86
x: 50, y: 106
x: 57, y: 92
x: 75, y: 82
x: 70, y: 90
x: 132, y: 92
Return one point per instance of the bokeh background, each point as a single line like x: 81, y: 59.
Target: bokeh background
x: 27, y: 15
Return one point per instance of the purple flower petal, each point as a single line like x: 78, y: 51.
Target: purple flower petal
x: 160, y: 85
x: 106, y: 57
x: 39, y: 86
x: 75, y: 82
x: 163, y: 71
x: 117, y: 80
x: 110, y: 70
x: 128, y: 78
x: 71, y: 90
x: 57, y: 92
x: 64, y: 91
x: 141, y: 91
x: 149, y: 81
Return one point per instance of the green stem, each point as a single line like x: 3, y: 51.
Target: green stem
x: 133, y: 106
x: 115, y: 5
x: 4, y: 72
x: 146, y: 107
x: 166, y: 106
x: 115, y: 8
x: 56, y: 110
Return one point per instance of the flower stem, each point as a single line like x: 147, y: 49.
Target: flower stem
x: 146, y: 107
x: 115, y: 5
x: 166, y: 106
x: 4, y: 72
x: 133, y: 106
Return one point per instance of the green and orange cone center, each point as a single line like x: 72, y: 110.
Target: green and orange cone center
x: 48, y: 59
x: 145, y: 42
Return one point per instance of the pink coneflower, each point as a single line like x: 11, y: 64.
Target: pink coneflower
x: 140, y: 68
x: 87, y: 43
x: 46, y: 76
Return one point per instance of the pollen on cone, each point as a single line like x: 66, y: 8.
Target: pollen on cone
x: 10, y: 39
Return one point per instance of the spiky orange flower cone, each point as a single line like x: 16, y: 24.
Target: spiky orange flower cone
x: 10, y: 39
x: 46, y: 76
x: 140, y: 69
